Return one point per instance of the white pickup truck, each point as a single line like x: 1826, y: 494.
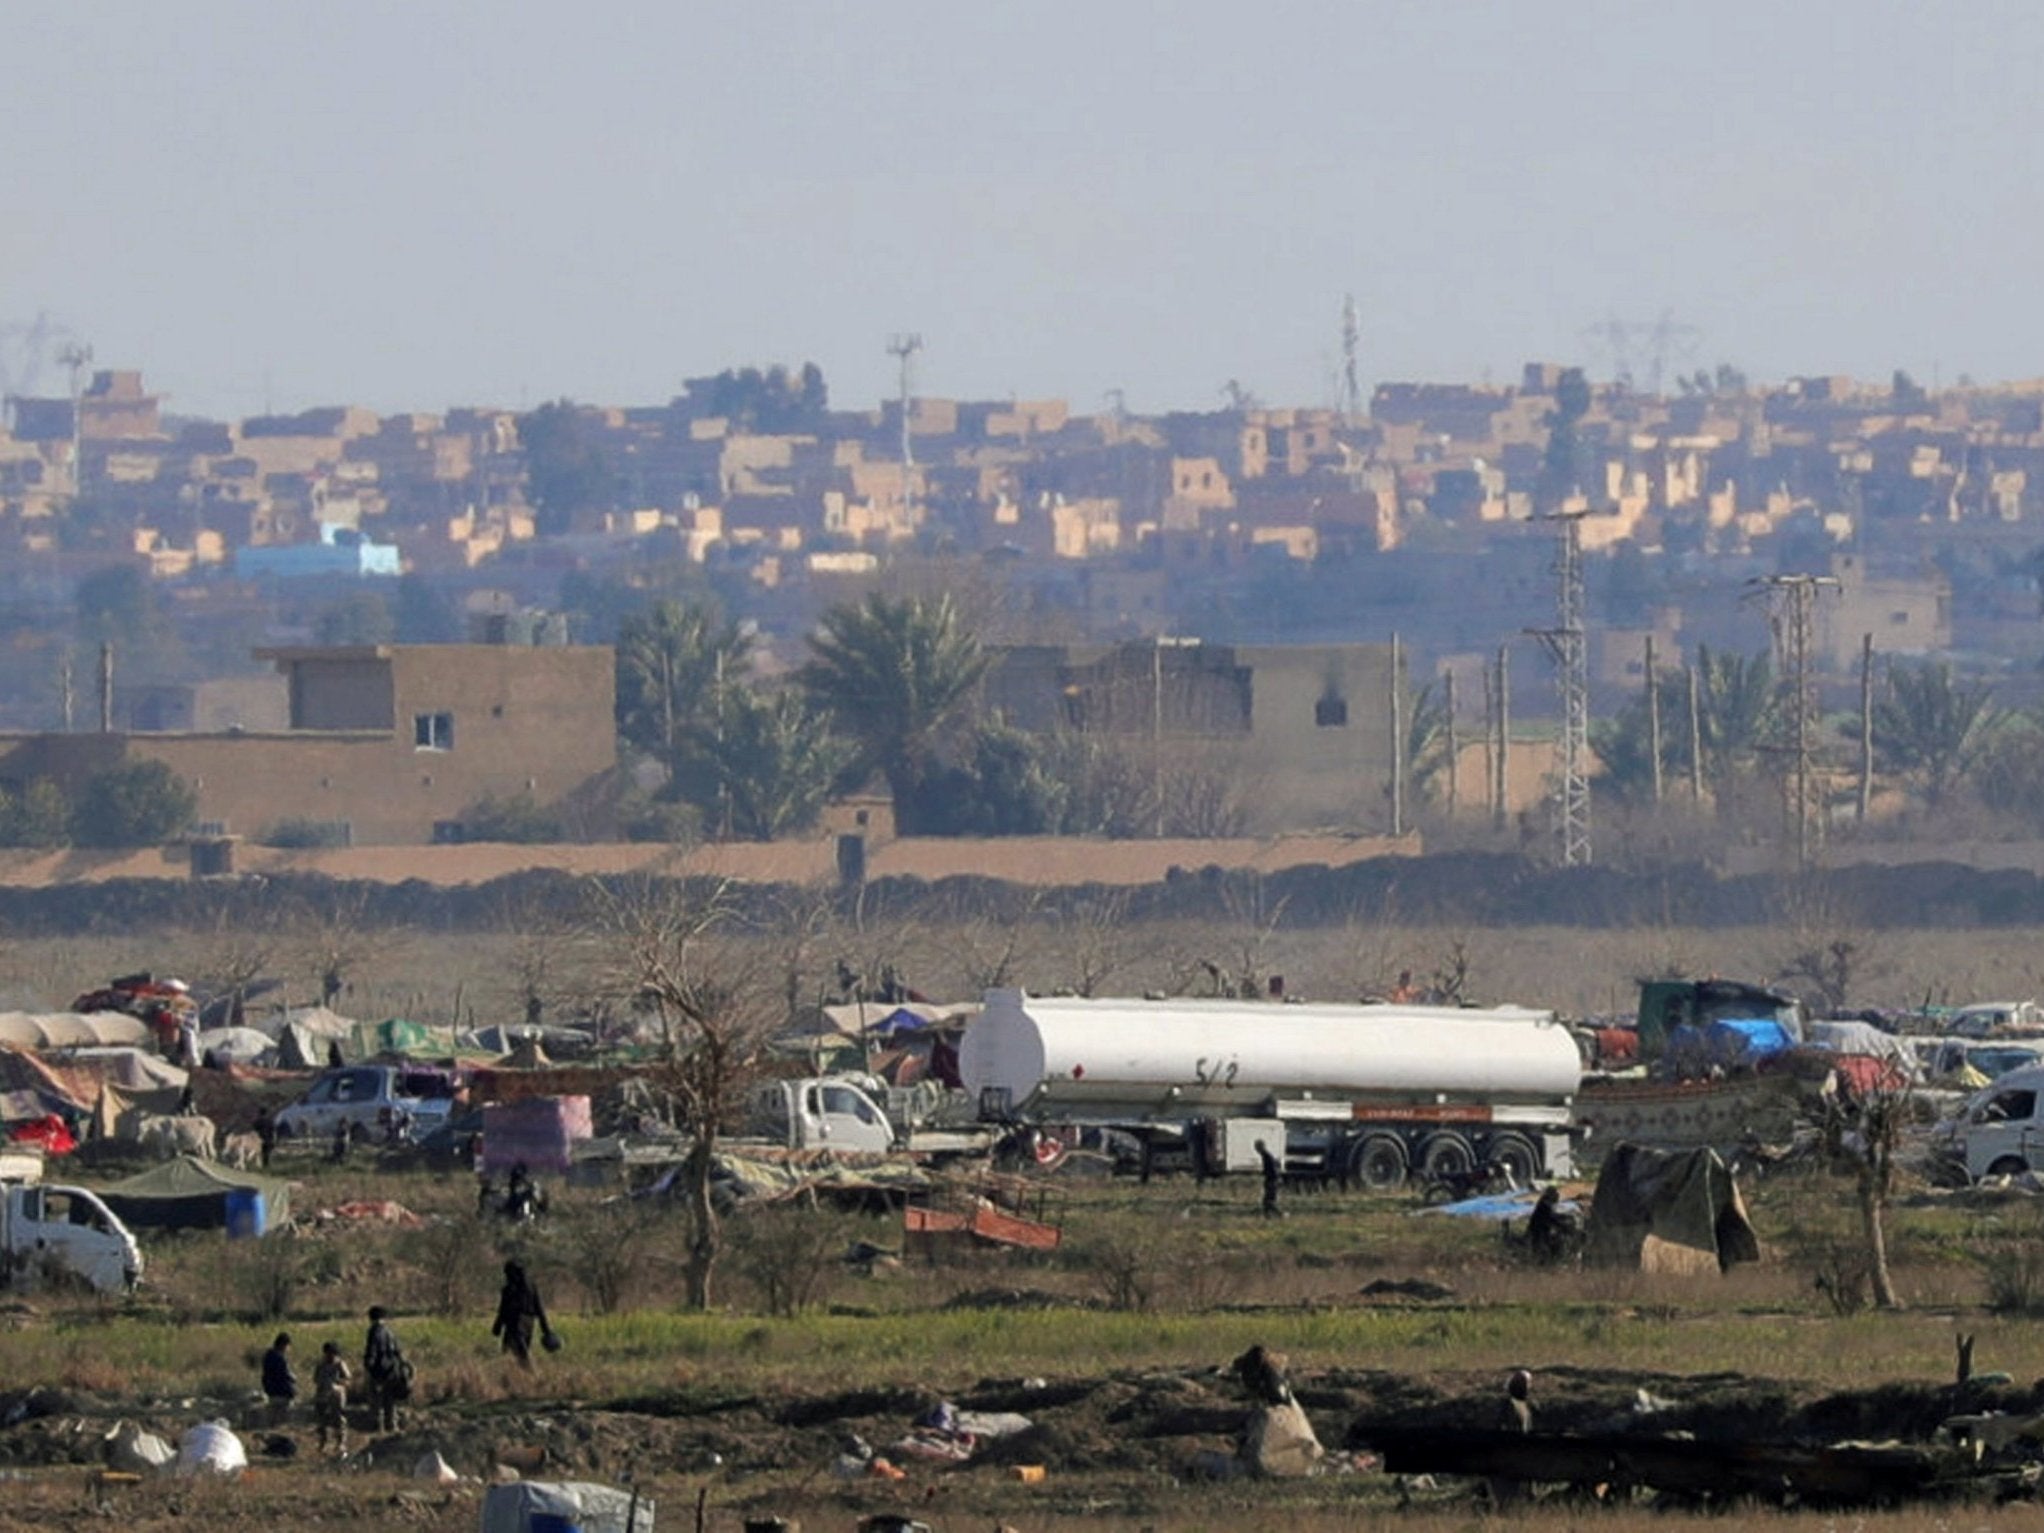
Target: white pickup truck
x: 47, y: 1229
x: 836, y: 1113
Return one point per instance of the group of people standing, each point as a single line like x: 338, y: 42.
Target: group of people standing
x: 387, y: 1374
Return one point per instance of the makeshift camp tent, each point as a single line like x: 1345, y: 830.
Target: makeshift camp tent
x: 397, y: 1036
x: 1695, y: 1049
x: 69, y: 1030
x: 1668, y: 1211
x: 190, y: 1194
x: 237, y: 1045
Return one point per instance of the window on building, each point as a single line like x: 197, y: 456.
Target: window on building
x: 433, y: 731
x: 1331, y: 713
x: 1898, y: 619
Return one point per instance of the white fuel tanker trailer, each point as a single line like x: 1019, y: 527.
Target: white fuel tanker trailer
x: 1369, y: 1093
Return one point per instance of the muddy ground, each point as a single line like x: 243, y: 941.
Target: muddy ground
x: 1119, y: 1449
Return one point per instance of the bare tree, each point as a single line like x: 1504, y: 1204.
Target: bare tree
x: 1240, y: 966
x: 239, y: 948
x: 1860, y: 1136
x: 681, y: 958
x: 992, y: 945
x: 548, y: 959
x: 1095, y: 940
x: 333, y: 937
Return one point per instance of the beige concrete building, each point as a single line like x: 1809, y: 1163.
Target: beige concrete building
x: 391, y: 744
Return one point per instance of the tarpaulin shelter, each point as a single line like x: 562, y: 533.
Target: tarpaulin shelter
x: 192, y: 1194
x: 395, y: 1035
x: 528, y: 1506
x: 237, y: 1045
x: 118, y: 1113
x: 538, y: 1132
x: 1668, y: 1211
x: 70, y: 1030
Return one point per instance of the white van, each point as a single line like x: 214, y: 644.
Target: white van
x: 2000, y: 1131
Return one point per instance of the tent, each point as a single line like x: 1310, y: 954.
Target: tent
x: 1668, y: 1211
x: 67, y: 1030
x: 1695, y: 1049
x: 192, y: 1194
x: 239, y: 1045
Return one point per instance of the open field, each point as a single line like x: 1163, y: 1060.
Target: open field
x: 1128, y: 1329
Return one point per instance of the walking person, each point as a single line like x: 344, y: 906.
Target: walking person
x: 280, y: 1383
x: 330, y: 1382
x: 387, y: 1370
x: 518, y: 1310
x: 1273, y: 1173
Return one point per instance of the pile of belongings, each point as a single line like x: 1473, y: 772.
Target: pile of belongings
x: 944, y: 1434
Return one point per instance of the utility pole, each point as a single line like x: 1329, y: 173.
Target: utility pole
x: 77, y: 358
x: 1568, y: 647
x: 1397, y: 742
x: 1654, y: 718
x: 1866, y: 729
x: 1454, y: 745
x: 1498, y: 805
x: 1695, y: 738
x: 106, y: 689
x: 1157, y: 729
x: 903, y: 347
x: 64, y: 689
x: 1790, y: 600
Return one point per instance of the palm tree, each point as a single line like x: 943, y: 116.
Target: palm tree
x: 893, y: 673
x: 1932, y: 727
x: 774, y: 759
x: 1738, y: 706
x: 674, y: 664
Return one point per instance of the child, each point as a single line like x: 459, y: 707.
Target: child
x: 330, y: 1398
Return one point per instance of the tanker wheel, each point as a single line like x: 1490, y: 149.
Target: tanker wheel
x: 1378, y: 1163
x: 1516, y: 1156
x: 2009, y: 1165
x: 1446, y: 1157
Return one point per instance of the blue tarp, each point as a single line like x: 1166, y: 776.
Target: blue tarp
x: 1728, y: 1042
x: 1496, y: 1205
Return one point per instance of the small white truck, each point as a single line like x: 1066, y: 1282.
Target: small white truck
x: 844, y: 1113
x: 2000, y: 1130
x: 50, y: 1230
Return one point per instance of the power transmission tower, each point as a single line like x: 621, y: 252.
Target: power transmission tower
x: 1791, y: 600
x: 1351, y: 380
x: 1567, y: 644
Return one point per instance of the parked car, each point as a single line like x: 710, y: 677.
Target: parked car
x: 370, y: 1099
x: 1998, y: 1019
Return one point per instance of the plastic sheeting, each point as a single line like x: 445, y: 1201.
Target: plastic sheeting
x: 537, y: 1132
x: 211, y: 1448
x: 592, y: 1508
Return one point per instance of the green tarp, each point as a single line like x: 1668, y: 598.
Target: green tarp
x: 192, y: 1194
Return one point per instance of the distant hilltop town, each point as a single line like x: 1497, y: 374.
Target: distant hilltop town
x: 1245, y: 523
x: 211, y: 562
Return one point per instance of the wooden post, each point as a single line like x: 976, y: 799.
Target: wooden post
x: 1498, y: 804
x: 1654, y: 717
x: 1397, y: 744
x: 1866, y: 729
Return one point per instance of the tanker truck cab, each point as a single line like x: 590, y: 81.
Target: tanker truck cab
x: 50, y: 1229
x: 2000, y: 1131
x: 818, y: 1113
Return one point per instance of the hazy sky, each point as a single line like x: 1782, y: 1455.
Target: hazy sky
x: 415, y: 204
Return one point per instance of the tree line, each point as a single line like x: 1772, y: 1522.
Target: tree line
x: 890, y: 692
